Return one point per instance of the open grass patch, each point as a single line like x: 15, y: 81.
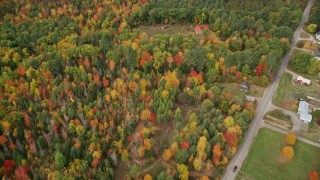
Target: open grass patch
x: 313, y: 132
x: 304, y: 35
x: 254, y: 90
x: 279, y: 119
x: 172, y: 29
x: 263, y: 159
x: 288, y: 93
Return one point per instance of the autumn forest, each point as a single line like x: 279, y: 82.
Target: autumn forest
x: 85, y: 93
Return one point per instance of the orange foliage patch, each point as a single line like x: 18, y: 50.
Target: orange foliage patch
x: 178, y: 59
x: 21, y: 70
x: 313, y: 175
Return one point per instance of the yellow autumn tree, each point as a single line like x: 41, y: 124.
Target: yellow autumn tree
x: 141, y: 150
x: 290, y: 138
x: 201, y: 147
x: 229, y: 121
x: 147, y: 177
x: 171, y: 80
x: 288, y: 152
x: 183, y: 172
x: 167, y: 154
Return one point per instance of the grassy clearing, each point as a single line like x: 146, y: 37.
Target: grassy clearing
x: 313, y: 132
x: 304, y: 35
x: 172, y: 29
x: 254, y: 90
x: 288, y: 93
x: 263, y: 161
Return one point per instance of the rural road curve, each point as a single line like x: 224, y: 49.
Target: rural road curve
x: 243, y: 150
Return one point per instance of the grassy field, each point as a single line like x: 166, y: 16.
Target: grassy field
x: 313, y: 132
x: 254, y: 90
x: 172, y: 29
x: 288, y: 93
x: 264, y: 162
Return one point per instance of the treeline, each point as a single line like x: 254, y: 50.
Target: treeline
x: 225, y: 17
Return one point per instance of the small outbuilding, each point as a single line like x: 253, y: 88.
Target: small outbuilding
x: 303, y: 111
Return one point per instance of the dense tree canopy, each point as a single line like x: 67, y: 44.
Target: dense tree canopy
x: 84, y: 89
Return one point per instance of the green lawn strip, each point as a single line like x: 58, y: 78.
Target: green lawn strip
x: 313, y: 132
x: 263, y: 159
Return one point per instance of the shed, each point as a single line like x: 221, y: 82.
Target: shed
x: 303, y: 111
x: 250, y: 98
x: 303, y: 107
x: 306, y: 118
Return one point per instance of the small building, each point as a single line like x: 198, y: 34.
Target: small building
x: 303, y: 111
x: 198, y: 30
x: 244, y: 86
x: 250, y: 98
x: 302, y: 81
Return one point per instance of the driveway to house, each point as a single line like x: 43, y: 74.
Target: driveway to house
x: 297, y: 124
x: 243, y: 149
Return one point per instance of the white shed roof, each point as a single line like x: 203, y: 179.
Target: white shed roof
x: 303, y: 107
x: 306, y: 117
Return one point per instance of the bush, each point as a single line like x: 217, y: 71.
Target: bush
x: 312, y: 28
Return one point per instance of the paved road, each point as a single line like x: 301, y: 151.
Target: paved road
x: 243, y: 150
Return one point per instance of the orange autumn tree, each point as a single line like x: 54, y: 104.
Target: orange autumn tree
x: 216, y: 150
x: 288, y: 152
x: 145, y: 114
x: 167, y: 154
x: 313, y: 175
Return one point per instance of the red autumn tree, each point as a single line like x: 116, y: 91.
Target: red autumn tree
x: 185, y: 145
x: 178, y: 59
x: 239, y: 75
x: 231, y: 138
x: 145, y: 57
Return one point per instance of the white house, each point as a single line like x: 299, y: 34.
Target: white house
x: 303, y: 111
x: 301, y: 80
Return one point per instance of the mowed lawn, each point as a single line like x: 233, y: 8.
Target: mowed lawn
x: 288, y: 93
x: 264, y: 162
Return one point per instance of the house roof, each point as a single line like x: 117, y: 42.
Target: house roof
x: 197, y: 28
x: 306, y: 117
x: 303, y: 107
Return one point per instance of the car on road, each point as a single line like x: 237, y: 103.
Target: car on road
x: 235, y: 168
